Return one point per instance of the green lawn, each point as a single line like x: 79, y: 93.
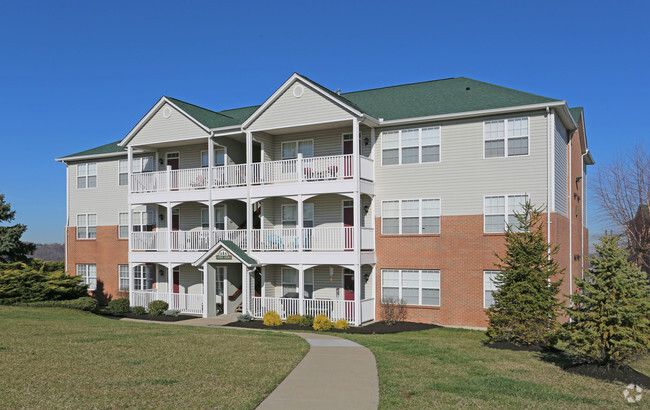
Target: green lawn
x: 65, y: 358
x: 450, y: 368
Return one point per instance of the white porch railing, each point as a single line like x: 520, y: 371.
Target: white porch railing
x: 327, y: 168
x: 229, y: 175
x: 367, y: 168
x: 190, y: 240
x: 190, y: 178
x: 334, y: 309
x: 184, y: 240
x: 185, y: 302
x: 314, y: 239
x: 149, y: 182
x: 285, y: 239
x: 272, y: 172
x: 367, y: 238
x: 367, y: 310
x: 149, y: 241
x: 238, y: 236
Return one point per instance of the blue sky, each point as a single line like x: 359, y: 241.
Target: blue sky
x: 75, y: 75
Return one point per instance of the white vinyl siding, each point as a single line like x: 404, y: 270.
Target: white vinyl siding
x: 89, y: 274
x: 87, y: 226
x: 123, y: 277
x: 499, y: 211
x: 410, y: 216
x: 160, y: 128
x: 489, y: 287
x: 506, y: 138
x: 411, y: 286
x: 87, y: 175
x: 123, y: 172
x: 410, y: 146
x: 123, y: 225
x: 561, y: 167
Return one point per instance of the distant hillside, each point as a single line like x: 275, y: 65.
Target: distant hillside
x: 49, y: 251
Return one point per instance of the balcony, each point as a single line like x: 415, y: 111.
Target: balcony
x: 329, y: 168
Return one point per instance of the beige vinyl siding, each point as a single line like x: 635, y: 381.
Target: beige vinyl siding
x: 159, y: 128
x: 561, y: 169
x: 235, y: 150
x: 289, y: 110
x: 326, y: 142
x: 267, y: 141
x: 190, y: 155
x: 367, y: 284
x: 328, y: 210
x: 190, y: 279
x: 463, y: 176
x: 323, y: 288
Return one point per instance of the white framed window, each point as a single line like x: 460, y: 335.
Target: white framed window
x: 499, y: 211
x: 219, y: 157
x: 142, y: 277
x: 410, y: 146
x: 412, y: 286
x: 290, y: 282
x: 143, y: 164
x: 410, y: 216
x: 86, y: 226
x: 123, y: 172
x: 143, y: 221
x: 219, y: 218
x: 123, y: 225
x: 489, y: 287
x: 290, y: 215
x: 506, y: 138
x: 291, y: 149
x: 87, y: 175
x: 89, y: 274
x: 123, y: 276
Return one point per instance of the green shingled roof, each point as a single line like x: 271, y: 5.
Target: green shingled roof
x: 575, y: 113
x: 208, y: 118
x: 238, y: 252
x: 104, y: 149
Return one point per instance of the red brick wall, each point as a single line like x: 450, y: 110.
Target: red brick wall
x: 107, y: 252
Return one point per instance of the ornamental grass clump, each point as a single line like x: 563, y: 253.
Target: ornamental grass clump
x: 322, y: 323
x: 294, y: 319
x: 341, y: 324
x: 271, y: 318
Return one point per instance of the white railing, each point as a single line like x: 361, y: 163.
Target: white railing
x: 367, y: 310
x: 367, y: 168
x: 285, y: 239
x: 326, y: 168
x: 191, y: 303
x: 149, y: 241
x: 238, y: 236
x: 367, y: 238
x: 191, y: 178
x: 149, y: 181
x: 229, y: 175
x: 334, y: 309
x: 190, y: 240
x: 274, y: 171
x: 328, y: 238
x: 184, y: 240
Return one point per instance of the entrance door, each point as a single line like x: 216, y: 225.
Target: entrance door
x: 219, y: 278
x: 348, y: 293
x: 177, y: 273
x: 348, y: 223
x: 173, y: 160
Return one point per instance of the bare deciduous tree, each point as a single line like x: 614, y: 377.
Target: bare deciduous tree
x: 622, y: 188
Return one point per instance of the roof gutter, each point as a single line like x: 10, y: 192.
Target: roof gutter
x: 92, y: 156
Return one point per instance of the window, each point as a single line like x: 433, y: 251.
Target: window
x: 307, y: 215
x: 411, y: 146
x: 219, y: 218
x: 123, y: 275
x: 143, y: 221
x: 219, y: 157
x: 87, y: 226
x: 290, y: 282
x: 506, y: 138
x: 123, y: 225
x: 412, y: 286
x: 500, y: 211
x: 142, y: 277
x: 291, y: 149
x: 143, y: 164
x: 290, y: 216
x: 87, y: 175
x: 489, y: 287
x: 123, y: 173
x: 89, y: 274
x: 410, y: 216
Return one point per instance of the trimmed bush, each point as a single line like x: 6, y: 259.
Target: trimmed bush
x: 85, y: 303
x: 119, y: 306
x: 38, y: 281
x: 172, y: 312
x: 139, y: 310
x: 322, y: 323
x: 341, y: 324
x: 307, y: 321
x: 157, y: 307
x: 245, y: 318
x: 294, y: 319
x: 272, y: 319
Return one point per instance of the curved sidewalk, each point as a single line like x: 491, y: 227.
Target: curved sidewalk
x: 336, y: 373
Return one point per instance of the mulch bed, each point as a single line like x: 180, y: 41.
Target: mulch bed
x: 378, y: 328
x: 624, y: 374
x: 161, y: 318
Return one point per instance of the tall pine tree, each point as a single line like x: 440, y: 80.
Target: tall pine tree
x: 12, y: 249
x: 525, y: 305
x: 611, y: 310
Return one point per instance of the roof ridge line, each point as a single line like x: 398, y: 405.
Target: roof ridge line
x: 402, y: 85
x: 198, y: 106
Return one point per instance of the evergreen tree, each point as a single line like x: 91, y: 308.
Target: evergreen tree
x: 525, y: 305
x: 611, y: 310
x: 12, y: 249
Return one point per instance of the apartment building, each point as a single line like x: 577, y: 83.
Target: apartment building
x: 327, y: 202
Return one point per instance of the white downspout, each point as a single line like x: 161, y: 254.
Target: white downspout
x: 67, y: 213
x: 548, y: 180
x: 570, y: 214
x: 582, y: 222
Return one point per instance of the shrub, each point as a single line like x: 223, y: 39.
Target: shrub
x: 341, y: 324
x: 157, y: 307
x: 322, y: 323
x: 307, y: 321
x: 139, y: 310
x: 38, y: 281
x: 85, y: 303
x: 119, y: 306
x: 172, y: 312
x: 294, y: 319
x: 245, y: 318
x: 392, y: 310
x: 272, y: 319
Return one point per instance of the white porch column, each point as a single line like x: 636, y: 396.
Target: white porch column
x: 204, y: 310
x: 249, y: 205
x: 244, y: 289
x: 263, y: 283
x: 169, y: 226
x: 357, y: 224
x: 301, y: 238
x: 130, y: 222
x: 299, y: 169
x: 357, y: 294
x: 129, y: 151
x: 355, y: 148
x: 170, y: 281
x: 210, y: 202
x: 301, y: 289
x: 131, y: 283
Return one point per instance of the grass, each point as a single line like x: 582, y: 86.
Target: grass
x: 52, y: 357
x: 450, y: 368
